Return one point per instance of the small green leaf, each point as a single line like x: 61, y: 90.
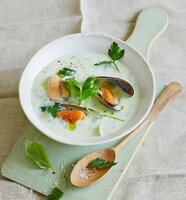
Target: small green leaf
x: 55, y: 195
x: 37, y: 154
x: 100, y: 163
x: 90, y: 92
x: 115, y: 54
x: 66, y: 72
x: 89, y: 89
x: 43, y: 108
x: 52, y: 109
x: 113, y: 51
x: 73, y: 85
x: 89, y: 83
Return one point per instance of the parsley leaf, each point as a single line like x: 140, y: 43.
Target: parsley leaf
x: 115, y: 54
x: 55, y: 195
x: 52, y: 109
x: 74, y: 85
x: 89, y: 83
x: 100, y: 163
x: 66, y: 72
x: 90, y: 92
x: 43, y: 108
x: 89, y: 89
x: 37, y: 154
x: 86, y: 91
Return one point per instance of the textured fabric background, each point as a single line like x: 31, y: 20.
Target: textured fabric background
x: 159, y: 169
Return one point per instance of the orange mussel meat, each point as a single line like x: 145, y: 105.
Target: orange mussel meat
x: 72, y: 116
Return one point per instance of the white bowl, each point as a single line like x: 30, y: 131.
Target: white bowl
x: 80, y: 43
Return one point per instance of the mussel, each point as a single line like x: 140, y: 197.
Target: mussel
x: 124, y: 85
x: 56, y: 89
x: 72, y: 116
x: 107, y: 98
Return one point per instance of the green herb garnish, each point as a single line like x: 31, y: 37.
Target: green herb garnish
x: 89, y: 89
x: 74, y: 86
x: 100, y: 163
x: 52, y: 109
x: 115, y: 53
x: 66, y: 72
x: 37, y: 154
x: 56, y: 194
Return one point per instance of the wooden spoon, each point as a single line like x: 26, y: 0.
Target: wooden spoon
x: 169, y: 94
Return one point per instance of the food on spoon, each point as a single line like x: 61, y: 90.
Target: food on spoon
x: 71, y: 116
x: 101, y: 163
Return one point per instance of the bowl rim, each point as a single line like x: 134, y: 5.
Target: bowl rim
x: 85, y: 143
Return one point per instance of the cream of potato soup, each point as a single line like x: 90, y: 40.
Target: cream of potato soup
x: 104, y: 106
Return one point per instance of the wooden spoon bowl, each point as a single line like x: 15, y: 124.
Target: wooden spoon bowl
x: 95, y: 174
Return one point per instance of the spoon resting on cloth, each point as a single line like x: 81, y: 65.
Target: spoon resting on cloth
x: 169, y: 94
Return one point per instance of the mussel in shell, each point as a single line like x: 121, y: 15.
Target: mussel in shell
x: 124, y: 85
x: 107, y: 98
x: 56, y: 89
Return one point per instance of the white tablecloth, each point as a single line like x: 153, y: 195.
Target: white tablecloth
x: 159, y: 169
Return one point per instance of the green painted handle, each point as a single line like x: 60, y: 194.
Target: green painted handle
x: 151, y: 23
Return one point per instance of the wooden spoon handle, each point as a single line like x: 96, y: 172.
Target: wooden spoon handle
x: 169, y: 94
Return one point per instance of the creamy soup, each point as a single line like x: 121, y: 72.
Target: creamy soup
x: 84, y: 67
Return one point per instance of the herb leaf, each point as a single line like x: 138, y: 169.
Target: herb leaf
x: 89, y: 89
x: 52, y: 109
x: 74, y: 85
x: 89, y: 83
x: 37, y: 154
x: 55, y: 195
x: 100, y: 163
x: 115, y: 53
x: 90, y: 92
x: 66, y: 72
x: 43, y: 108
